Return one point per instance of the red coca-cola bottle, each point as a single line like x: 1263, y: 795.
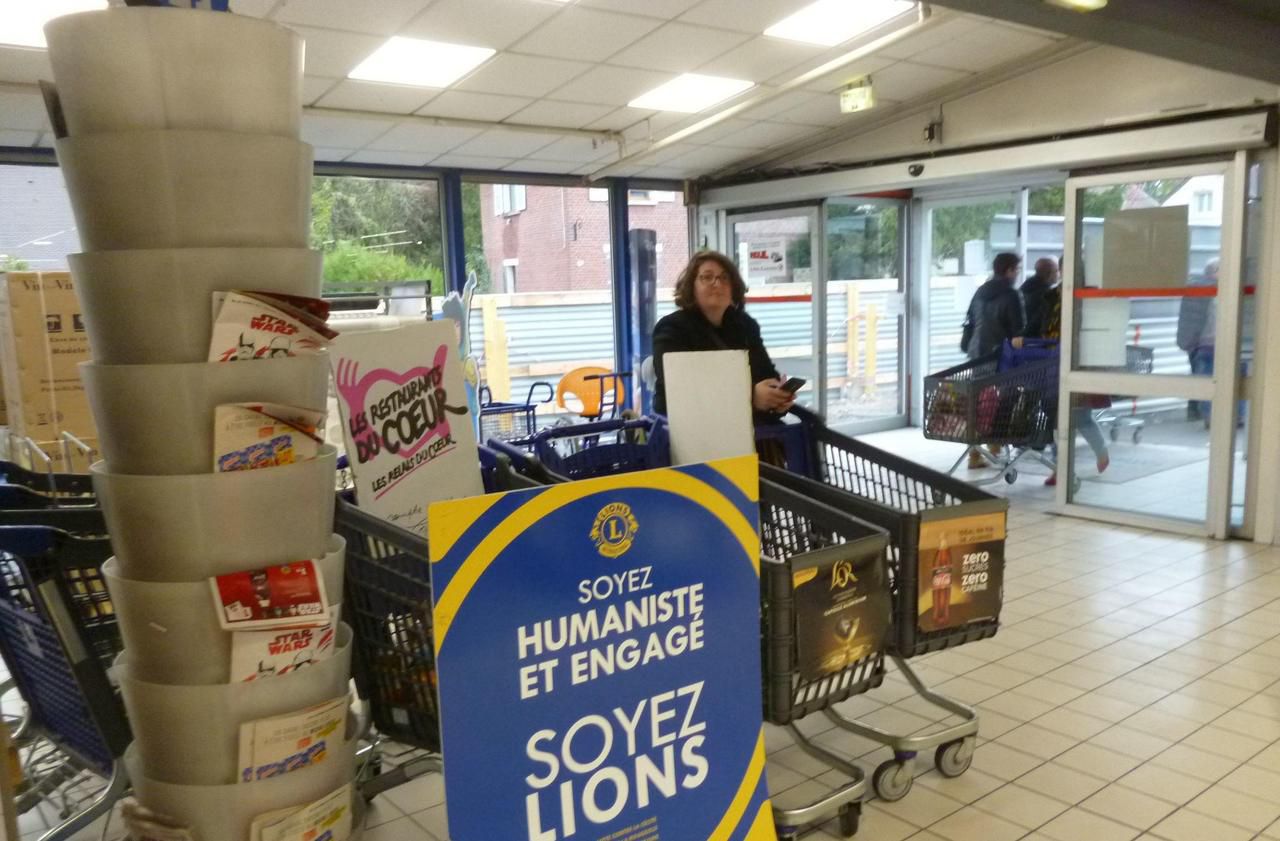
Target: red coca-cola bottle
x: 942, y: 585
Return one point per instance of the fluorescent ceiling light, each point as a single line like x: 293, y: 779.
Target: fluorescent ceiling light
x: 22, y: 21
x: 831, y: 22
x: 423, y: 64
x: 690, y: 93
x: 1080, y: 5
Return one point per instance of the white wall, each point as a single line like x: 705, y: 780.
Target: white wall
x: 1100, y: 87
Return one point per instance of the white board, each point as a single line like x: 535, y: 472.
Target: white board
x: 708, y: 405
x: 410, y: 436
x: 1146, y: 248
x: 1104, y: 328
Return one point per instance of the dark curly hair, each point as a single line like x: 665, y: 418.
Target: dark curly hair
x: 685, y: 299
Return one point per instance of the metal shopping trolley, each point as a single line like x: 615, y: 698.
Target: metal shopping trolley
x: 512, y: 423
x: 799, y: 537
x: 1138, y: 360
x: 905, y: 499
x: 1002, y: 400
x: 58, y: 634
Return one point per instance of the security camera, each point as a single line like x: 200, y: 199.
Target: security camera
x: 915, y: 170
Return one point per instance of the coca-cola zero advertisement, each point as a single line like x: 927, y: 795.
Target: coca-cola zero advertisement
x: 961, y: 571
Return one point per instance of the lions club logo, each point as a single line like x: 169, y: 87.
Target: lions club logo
x: 614, y: 530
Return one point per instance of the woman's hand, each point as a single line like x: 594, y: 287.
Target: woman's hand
x: 768, y: 396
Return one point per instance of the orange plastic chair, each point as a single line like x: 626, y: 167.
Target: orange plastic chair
x: 590, y: 385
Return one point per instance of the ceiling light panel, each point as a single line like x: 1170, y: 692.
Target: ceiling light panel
x: 22, y: 21
x: 690, y: 93
x: 831, y: 22
x: 420, y: 63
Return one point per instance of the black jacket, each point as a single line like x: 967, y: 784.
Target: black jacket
x: 995, y: 314
x: 1037, y: 302
x: 689, y: 330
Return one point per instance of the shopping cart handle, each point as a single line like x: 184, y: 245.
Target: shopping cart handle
x: 551, y: 392
x: 590, y: 428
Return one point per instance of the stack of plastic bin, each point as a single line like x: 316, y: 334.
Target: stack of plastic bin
x: 187, y: 176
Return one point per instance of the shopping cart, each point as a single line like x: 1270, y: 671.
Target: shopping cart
x: 513, y: 423
x: 603, y: 448
x: 797, y: 533
x: 1002, y: 400
x: 901, y: 497
x: 1138, y: 360
x: 58, y: 635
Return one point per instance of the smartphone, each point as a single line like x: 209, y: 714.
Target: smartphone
x: 793, y: 385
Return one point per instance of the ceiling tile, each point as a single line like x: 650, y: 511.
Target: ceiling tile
x: 607, y: 85
x: 773, y: 134
x: 471, y: 162
x: 754, y: 17
x: 341, y: 132
x: 465, y: 105
x: 336, y: 54
x: 706, y: 158
x: 907, y: 80
x: 522, y: 75
x: 501, y: 143
x: 422, y: 137
x: 620, y: 118
x: 481, y: 23
x: 935, y: 34
x: 659, y: 125
x: 761, y: 58
x: 548, y: 112
x: 834, y: 81
x: 779, y: 104
x: 328, y: 154
x: 378, y: 156
x: 732, y: 134
x: 549, y: 167
x: 371, y: 96
x: 678, y: 48
x: 314, y: 87
x: 665, y: 9
x: 578, y: 150
x: 253, y: 8
x: 376, y: 17
x: 585, y: 34
x: 673, y: 173
x: 18, y: 138
x: 22, y: 111
x: 24, y: 66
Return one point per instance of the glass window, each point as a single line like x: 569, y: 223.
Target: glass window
x: 1147, y: 276
x: 1147, y: 456
x: 544, y: 301
x: 37, y: 228
x: 379, y: 232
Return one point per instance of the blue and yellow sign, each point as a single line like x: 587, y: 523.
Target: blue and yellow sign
x: 598, y: 647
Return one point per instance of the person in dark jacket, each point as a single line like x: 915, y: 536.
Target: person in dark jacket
x: 995, y: 313
x: 710, y: 299
x: 1195, y: 334
x: 1037, y: 296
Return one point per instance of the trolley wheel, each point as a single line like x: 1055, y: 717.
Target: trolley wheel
x: 1011, y: 475
x: 1137, y: 436
x: 954, y: 758
x: 892, y: 780
x: 850, y: 817
x: 1115, y: 433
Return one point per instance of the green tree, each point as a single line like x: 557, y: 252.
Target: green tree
x: 360, y: 269
x: 954, y: 226
x: 13, y: 264
x: 473, y: 236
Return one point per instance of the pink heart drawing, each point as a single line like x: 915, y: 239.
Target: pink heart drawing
x: 356, y: 391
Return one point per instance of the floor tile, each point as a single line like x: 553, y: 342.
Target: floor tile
x: 970, y: 786
x: 970, y: 824
x: 1163, y: 783
x: 1195, y: 762
x: 1237, y: 809
x: 1185, y: 825
x: 1131, y: 742
x: 1128, y: 806
x: 1264, y: 727
x: 1079, y: 825
x: 1004, y: 762
x: 1022, y: 806
x: 1070, y: 723
x: 1098, y: 761
x: 1255, y: 782
x: 1061, y: 783
x: 921, y: 808
x: 1100, y: 706
x: 1018, y: 706
x: 1225, y: 743
x: 879, y: 825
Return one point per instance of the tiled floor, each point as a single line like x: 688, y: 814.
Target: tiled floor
x: 1132, y: 693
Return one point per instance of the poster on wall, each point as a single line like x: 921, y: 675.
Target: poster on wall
x: 603, y: 622
x: 408, y: 430
x: 961, y: 572
x: 767, y: 258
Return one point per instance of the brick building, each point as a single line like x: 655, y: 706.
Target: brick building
x: 556, y: 239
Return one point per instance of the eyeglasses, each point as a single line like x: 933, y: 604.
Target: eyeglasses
x: 708, y: 279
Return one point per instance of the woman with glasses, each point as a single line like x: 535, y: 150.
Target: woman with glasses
x: 710, y: 315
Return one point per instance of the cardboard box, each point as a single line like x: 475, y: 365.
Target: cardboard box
x: 42, y: 343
